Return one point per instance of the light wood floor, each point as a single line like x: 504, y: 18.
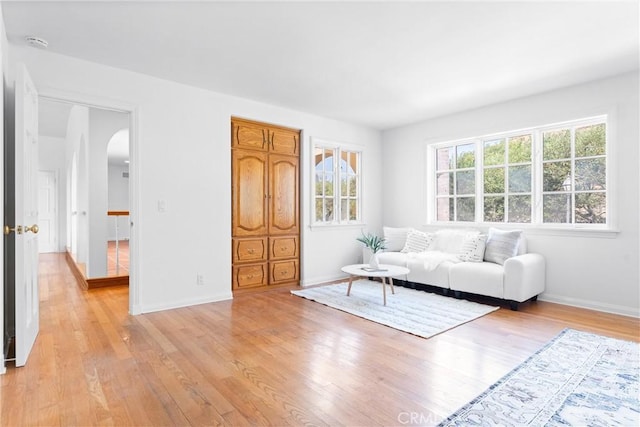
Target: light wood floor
x: 118, y: 261
x: 265, y: 359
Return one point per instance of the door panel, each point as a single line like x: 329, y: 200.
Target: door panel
x: 248, y: 276
x: 47, y: 212
x: 283, y: 247
x: 285, y: 142
x: 249, y: 135
x: 26, y: 215
x: 284, y: 271
x: 249, y: 250
x: 249, y: 193
x: 283, y: 194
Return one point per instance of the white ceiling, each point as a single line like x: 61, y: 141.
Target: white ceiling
x: 380, y: 64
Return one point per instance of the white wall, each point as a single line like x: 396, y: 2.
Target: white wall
x: 187, y: 130
x: 591, y: 270
x: 76, y: 140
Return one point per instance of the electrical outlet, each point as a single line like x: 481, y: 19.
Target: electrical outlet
x: 199, y: 279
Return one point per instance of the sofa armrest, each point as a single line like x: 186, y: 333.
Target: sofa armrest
x: 524, y: 277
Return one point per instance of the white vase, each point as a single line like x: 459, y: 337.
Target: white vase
x: 373, y: 261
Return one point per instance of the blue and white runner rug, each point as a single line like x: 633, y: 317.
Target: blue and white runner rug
x: 577, y: 379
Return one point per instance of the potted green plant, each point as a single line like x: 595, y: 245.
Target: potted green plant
x: 375, y: 244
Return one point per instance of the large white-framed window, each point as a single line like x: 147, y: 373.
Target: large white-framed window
x: 553, y: 175
x: 337, y: 183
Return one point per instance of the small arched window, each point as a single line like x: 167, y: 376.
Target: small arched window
x: 337, y: 184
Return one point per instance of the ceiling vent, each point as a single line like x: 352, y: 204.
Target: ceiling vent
x: 37, y: 42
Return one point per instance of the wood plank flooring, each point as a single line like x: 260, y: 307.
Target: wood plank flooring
x: 118, y: 261
x: 261, y: 359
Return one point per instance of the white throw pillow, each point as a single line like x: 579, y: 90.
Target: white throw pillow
x: 417, y: 241
x: 395, y: 238
x: 450, y: 240
x: 473, y: 247
x: 501, y: 245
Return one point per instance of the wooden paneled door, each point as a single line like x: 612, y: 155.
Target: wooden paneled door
x: 265, y: 179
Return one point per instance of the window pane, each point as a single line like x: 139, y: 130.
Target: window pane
x: 353, y: 210
x: 466, y: 182
x: 319, y: 204
x: 556, y: 176
x: 444, y: 183
x: 520, y: 179
x: 556, y: 208
x: 591, y: 174
x: 328, y: 209
x: 319, y: 183
x: 344, y: 185
x: 591, y: 141
x: 494, y: 152
x: 520, y: 149
x: 328, y: 185
x: 444, y: 158
x: 344, y: 209
x: 494, y: 209
x: 466, y: 209
x: 466, y: 156
x: 353, y: 186
x: 445, y: 209
x: 591, y: 208
x: 326, y: 160
x: 556, y: 144
x: 494, y: 180
x: 520, y: 209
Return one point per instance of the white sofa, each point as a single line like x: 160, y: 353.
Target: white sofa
x: 493, y: 263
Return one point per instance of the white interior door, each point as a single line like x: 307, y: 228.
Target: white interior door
x: 26, y: 215
x: 47, y: 212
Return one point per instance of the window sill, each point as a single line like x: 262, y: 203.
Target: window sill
x: 318, y: 227
x: 537, y: 230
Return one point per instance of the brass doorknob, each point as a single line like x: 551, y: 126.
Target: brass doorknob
x: 34, y: 229
x: 8, y: 230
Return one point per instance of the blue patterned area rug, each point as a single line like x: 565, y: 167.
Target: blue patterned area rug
x: 578, y: 379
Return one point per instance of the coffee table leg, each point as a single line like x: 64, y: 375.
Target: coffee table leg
x: 384, y: 292
x: 350, y: 282
x: 393, y: 291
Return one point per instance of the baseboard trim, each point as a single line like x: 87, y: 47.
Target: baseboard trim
x: 102, y: 282
x: 79, y: 275
x: 323, y: 280
x: 591, y: 305
x: 96, y: 282
x: 185, y: 303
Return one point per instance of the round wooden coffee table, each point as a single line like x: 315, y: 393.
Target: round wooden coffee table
x: 385, y: 272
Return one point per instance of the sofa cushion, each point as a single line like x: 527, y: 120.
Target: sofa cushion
x: 395, y: 238
x: 436, y: 275
x: 501, y: 245
x: 450, y: 240
x: 482, y: 278
x: 417, y: 241
x: 392, y: 258
x: 473, y: 247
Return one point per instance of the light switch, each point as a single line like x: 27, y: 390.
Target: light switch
x: 162, y: 205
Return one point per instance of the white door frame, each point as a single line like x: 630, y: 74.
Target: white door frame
x: 134, y: 178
